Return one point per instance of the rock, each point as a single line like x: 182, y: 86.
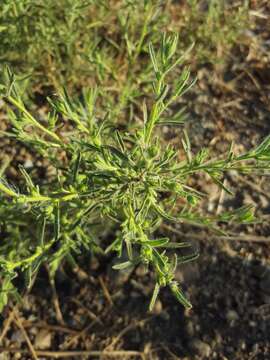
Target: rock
x: 17, y: 356
x: 219, y: 339
x: 28, y: 164
x: 264, y: 201
x: 252, y: 324
x: 190, y: 328
x: 243, y: 345
x: 43, y: 340
x: 232, y: 315
x: 200, y: 347
x: 158, y: 307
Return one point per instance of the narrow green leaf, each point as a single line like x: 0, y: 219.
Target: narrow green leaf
x: 153, y: 58
x: 220, y: 183
x: 154, y: 297
x: 162, y: 213
x: 120, y: 141
x: 129, y: 249
x: 126, y: 264
x: 27, y: 178
x: 116, y: 152
x: 76, y: 167
x: 174, y: 245
x: 160, y: 261
x: 145, y: 115
x: 114, y: 246
x: 180, y: 59
x: 123, y: 265
x: 157, y: 242
x: 42, y: 233
x: 187, y: 147
x: 163, y: 94
x: 188, y: 258
x: 178, y: 293
x: 57, y: 221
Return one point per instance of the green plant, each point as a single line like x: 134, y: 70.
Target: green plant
x: 131, y: 179
x: 80, y: 43
x: 75, y: 43
x: 215, y: 26
x: 69, y: 42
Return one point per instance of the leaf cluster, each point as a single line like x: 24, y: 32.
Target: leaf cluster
x: 130, y: 179
x: 76, y: 43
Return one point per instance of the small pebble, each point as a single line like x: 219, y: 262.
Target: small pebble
x: 232, y: 315
x: 28, y: 164
x: 200, y: 347
x: 158, y: 307
x: 43, y: 340
x: 190, y: 328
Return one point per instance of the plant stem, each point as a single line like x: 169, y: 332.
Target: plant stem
x: 21, y: 107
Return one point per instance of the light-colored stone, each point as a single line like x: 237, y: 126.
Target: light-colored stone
x: 43, y: 340
x: 200, y: 347
x: 232, y: 315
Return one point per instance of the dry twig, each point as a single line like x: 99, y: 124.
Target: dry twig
x: 78, y: 353
x: 28, y: 341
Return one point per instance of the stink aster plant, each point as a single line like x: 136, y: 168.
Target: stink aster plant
x: 132, y: 179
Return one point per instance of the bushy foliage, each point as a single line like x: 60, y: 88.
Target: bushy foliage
x: 215, y: 26
x: 67, y: 42
x: 130, y: 179
x: 77, y: 42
